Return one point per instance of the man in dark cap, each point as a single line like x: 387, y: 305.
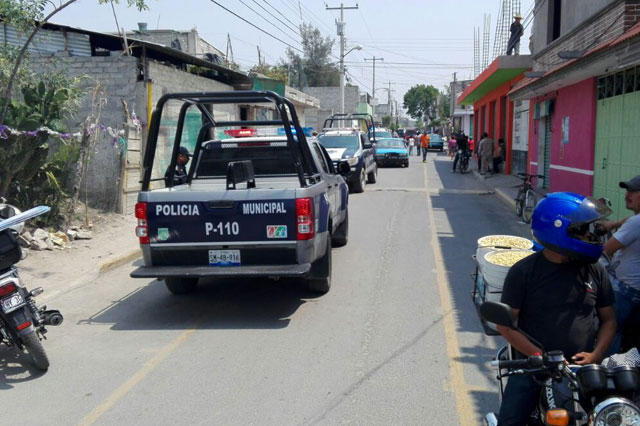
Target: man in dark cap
x: 624, y: 249
x: 180, y: 174
x: 517, y: 30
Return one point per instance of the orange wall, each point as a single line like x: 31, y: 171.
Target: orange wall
x: 496, y: 97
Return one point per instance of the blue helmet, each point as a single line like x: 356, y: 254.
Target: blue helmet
x: 565, y: 223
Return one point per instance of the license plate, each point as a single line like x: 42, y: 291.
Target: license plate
x: 224, y: 257
x: 12, y: 302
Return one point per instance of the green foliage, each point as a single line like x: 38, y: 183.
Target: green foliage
x: 421, y: 102
x: 444, y: 107
x: 44, y: 181
x: 386, y: 120
x: 315, y: 67
x: 46, y: 101
x: 277, y: 72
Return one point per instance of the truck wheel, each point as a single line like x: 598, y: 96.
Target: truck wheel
x: 34, y: 347
x: 341, y: 236
x: 358, y: 187
x: 321, y: 273
x: 373, y: 176
x: 181, y: 285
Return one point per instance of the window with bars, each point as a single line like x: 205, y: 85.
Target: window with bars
x: 626, y: 81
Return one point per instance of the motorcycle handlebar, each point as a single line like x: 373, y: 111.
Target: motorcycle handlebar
x: 534, y: 361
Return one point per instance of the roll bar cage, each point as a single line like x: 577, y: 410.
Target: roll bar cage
x: 297, y: 143
x: 367, y: 118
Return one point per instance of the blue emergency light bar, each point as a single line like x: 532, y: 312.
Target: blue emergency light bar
x: 306, y: 130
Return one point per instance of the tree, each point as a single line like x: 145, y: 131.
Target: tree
x: 277, y: 72
x: 444, y: 107
x: 314, y: 67
x: 28, y: 17
x: 421, y: 102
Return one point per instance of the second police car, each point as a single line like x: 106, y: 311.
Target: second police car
x: 353, y: 146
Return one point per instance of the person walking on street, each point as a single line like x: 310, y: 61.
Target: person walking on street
x: 624, y: 248
x: 485, y: 152
x: 452, y: 146
x: 418, y: 135
x: 424, y: 145
x: 462, y: 148
x: 517, y: 30
x: 412, y: 143
x: 556, y: 294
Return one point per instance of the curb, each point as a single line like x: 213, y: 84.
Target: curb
x: 505, y: 197
x: 116, y: 261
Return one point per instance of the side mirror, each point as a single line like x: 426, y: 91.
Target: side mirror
x: 367, y: 145
x: 498, y: 313
x: 343, y: 169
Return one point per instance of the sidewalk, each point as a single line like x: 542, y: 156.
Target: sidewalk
x: 113, y: 244
x: 505, y: 186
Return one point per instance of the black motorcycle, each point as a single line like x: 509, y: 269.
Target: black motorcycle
x: 22, y: 322
x: 591, y: 395
x: 464, y: 160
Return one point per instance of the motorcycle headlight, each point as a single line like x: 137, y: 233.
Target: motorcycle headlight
x: 616, y: 412
x: 352, y: 161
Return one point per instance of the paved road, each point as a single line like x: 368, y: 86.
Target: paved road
x: 395, y: 342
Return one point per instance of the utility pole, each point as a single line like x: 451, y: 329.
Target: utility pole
x: 259, y: 56
x: 340, y: 31
x: 373, y: 88
x: 452, y: 104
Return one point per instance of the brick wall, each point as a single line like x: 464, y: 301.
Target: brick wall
x: 602, y: 28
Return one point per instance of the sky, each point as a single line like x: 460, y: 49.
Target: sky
x: 420, y: 41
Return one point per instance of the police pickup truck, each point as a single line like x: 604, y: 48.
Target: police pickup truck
x: 347, y: 142
x: 257, y: 206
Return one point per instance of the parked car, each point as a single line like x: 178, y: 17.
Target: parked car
x: 436, y: 142
x: 354, y: 147
x: 392, y: 151
x: 376, y: 133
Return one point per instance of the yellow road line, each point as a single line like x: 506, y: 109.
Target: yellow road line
x: 457, y: 385
x: 148, y: 367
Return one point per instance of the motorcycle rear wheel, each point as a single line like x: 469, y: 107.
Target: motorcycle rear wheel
x: 36, y: 351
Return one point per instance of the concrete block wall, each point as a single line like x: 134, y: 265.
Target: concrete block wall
x: 168, y: 79
x: 329, y: 98
x: 117, y: 76
x: 599, y: 28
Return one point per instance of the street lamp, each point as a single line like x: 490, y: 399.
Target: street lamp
x: 342, y: 55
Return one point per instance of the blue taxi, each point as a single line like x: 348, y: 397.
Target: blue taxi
x: 392, y: 151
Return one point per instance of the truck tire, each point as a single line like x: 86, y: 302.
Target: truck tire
x: 36, y: 351
x: 181, y: 285
x: 358, y: 186
x: 373, y: 176
x: 341, y: 236
x: 320, y: 274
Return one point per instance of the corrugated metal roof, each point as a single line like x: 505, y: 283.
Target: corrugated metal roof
x: 48, y: 41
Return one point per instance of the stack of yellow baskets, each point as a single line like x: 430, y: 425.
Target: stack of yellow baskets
x: 495, y: 255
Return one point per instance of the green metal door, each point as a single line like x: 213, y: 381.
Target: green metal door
x: 617, y: 144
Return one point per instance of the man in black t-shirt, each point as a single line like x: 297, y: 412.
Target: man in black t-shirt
x: 180, y: 172
x: 555, y: 295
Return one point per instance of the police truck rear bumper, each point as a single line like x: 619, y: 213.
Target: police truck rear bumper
x: 222, y: 271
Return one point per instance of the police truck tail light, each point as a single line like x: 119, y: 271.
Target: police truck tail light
x: 142, y: 230
x: 305, y: 218
x: 240, y: 133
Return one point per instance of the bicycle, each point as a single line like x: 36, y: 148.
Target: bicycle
x: 526, y: 199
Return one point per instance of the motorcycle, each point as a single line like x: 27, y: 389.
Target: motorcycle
x: 22, y: 322
x: 464, y: 160
x: 592, y: 395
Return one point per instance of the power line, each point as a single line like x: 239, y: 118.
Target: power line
x: 272, y: 24
x: 295, y: 30
x: 255, y: 26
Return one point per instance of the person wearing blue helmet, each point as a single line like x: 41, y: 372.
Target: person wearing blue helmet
x: 556, y: 293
